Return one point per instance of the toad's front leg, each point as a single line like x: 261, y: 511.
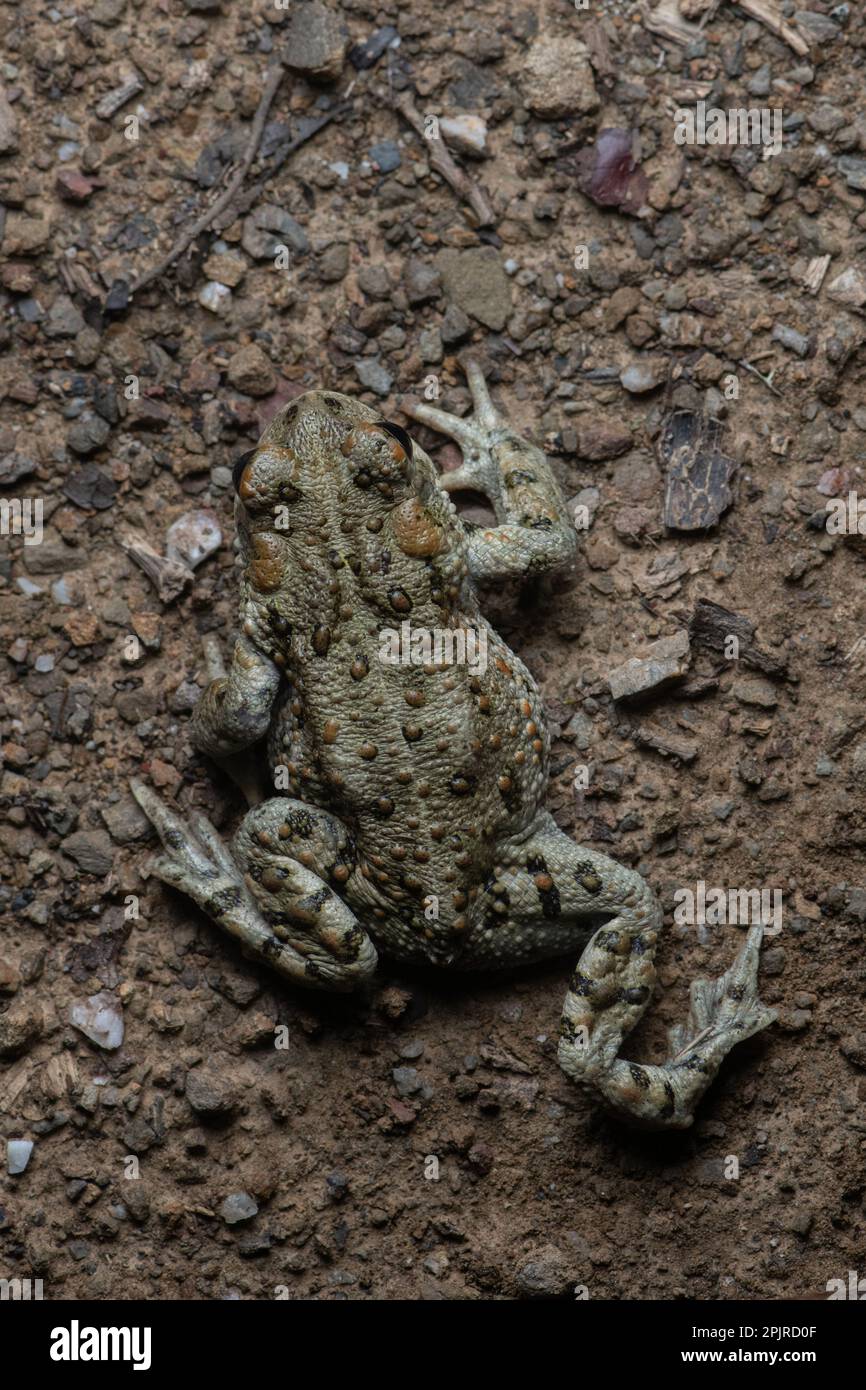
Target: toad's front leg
x: 535, y: 533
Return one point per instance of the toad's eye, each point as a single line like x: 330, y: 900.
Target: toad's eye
x: 238, y: 468
x: 400, y: 435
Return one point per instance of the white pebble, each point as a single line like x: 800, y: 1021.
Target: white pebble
x: 216, y: 297
x: 193, y: 537
x: 100, y: 1019
x: 18, y: 1153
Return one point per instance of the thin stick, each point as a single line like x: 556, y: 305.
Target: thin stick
x: 275, y: 77
x: 770, y: 15
x: 253, y: 194
x: 767, y: 380
x: 441, y: 161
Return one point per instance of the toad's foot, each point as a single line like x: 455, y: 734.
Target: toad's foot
x: 596, y: 1017
x: 480, y: 471
x: 317, y: 941
x: 535, y: 532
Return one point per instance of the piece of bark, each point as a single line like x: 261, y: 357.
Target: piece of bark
x: 695, y: 688
x: 119, y: 96
x: 815, y: 272
x: 600, y: 54
x: 698, y: 475
x: 713, y: 626
x: 666, y: 742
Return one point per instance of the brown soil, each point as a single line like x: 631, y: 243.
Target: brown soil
x: 478, y: 1170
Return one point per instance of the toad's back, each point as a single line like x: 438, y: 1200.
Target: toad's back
x: 402, y: 711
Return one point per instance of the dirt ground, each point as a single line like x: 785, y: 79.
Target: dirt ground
x: 245, y: 1140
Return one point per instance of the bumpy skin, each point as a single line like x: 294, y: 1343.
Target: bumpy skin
x: 414, y: 820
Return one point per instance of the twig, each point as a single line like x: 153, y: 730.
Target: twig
x: 275, y: 77
x: 666, y: 22
x: 441, y: 161
x: 767, y: 380
x: 245, y: 202
x: 770, y: 15
x: 815, y: 272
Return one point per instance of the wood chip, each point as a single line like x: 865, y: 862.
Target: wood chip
x: 698, y: 474
x: 113, y: 100
x: 815, y: 272
x: 665, y: 742
x: 713, y: 626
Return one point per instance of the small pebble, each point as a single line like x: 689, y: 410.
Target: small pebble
x: 240, y: 1206
x: 100, y: 1019
x: 18, y: 1153
x: 215, y: 297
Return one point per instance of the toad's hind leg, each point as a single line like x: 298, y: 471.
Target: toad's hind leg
x: 546, y: 883
x: 273, y: 892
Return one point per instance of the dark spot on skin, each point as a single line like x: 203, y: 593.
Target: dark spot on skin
x: 280, y: 626
x: 299, y: 823
x: 550, y: 900
x: 175, y: 839
x: 639, y: 1076
x: 314, y: 902
x: 541, y: 523
x: 271, y: 948
x: 223, y: 902
x: 568, y: 1031
x: 639, y: 945
x: 238, y: 467
x: 736, y: 992
x: 695, y: 1063
x: 586, y: 876
x: 639, y: 995
x: 608, y: 940
x: 537, y: 864
x: 671, y: 1105
x: 399, y: 600
x: 518, y: 476
x: 582, y: 985
x: 351, y: 943
x: 400, y: 435
x: 462, y: 786
x: 321, y: 640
